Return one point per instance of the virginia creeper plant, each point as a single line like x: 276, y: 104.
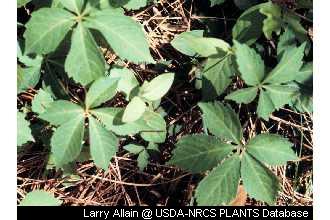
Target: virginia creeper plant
x: 61, y: 59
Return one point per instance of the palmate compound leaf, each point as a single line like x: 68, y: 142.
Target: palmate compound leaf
x: 134, y: 110
x: 41, y: 101
x: 222, y: 121
x: 216, y: 76
x: 181, y: 42
x: 61, y: 111
x: 40, y: 198
x: 250, y: 64
x: 23, y: 130
x: 85, y: 62
x: 273, y: 98
x: 125, y: 36
x: 73, y: 5
x: 289, y: 66
x: 102, y: 90
x: 103, y: 143
x: 199, y: 153
x: 258, y: 181
x: 245, y: 96
x: 271, y: 149
x: 273, y: 21
x: 157, y: 87
x: 66, y: 142
x: 46, y: 29
x: 219, y: 187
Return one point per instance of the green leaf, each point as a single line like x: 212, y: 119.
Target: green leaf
x: 265, y: 105
x: 103, y: 144
x: 134, y: 110
x: 181, y: 42
x: 216, y: 2
x: 143, y: 160
x: 101, y: 90
x: 294, y: 23
x: 110, y: 118
x: 152, y: 147
x: 274, y: 98
x: 248, y: 27
x: 216, y: 77
x: 85, y: 62
x: 281, y: 94
x: 27, y: 77
x: 133, y: 148
x: 127, y: 80
x: 303, y: 103
x: 271, y: 149
x: 199, y: 153
x: 96, y: 5
x: 21, y: 3
x: 287, y: 41
x: 273, y: 21
x: 29, y: 61
x: 41, y: 101
x: 208, y: 46
x: 125, y: 36
x: 151, y: 125
x: 305, y: 75
x: 222, y: 121
x: 60, y: 112
x: 154, y: 127
x: 23, y: 130
x: 73, y: 5
x: 136, y: 4
x: 250, y: 64
x: 66, y: 142
x: 46, y: 29
x: 259, y: 182
x: 40, y: 198
x: 245, y: 96
x: 157, y: 87
x: 289, y: 66
x: 219, y: 187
